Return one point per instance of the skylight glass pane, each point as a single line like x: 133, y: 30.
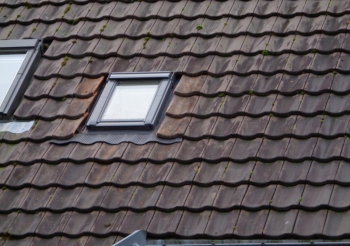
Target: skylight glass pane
x: 130, y: 101
x: 9, y: 66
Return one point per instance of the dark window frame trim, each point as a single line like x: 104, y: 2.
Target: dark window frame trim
x: 32, y: 48
x: 154, y: 113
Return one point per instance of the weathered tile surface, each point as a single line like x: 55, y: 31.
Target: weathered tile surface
x: 262, y: 107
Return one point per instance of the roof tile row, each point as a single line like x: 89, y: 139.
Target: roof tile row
x: 168, y: 9
x: 181, y: 28
x: 193, y: 66
x: 234, y: 149
x: 95, y: 175
x: 166, y: 198
x: 198, y: 46
x: 301, y: 223
x: 246, y: 127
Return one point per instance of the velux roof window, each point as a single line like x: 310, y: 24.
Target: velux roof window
x: 18, y: 60
x: 131, y: 101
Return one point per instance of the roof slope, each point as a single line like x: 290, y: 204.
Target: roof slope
x: 262, y: 106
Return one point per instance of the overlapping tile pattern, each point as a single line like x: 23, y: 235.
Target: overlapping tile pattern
x: 262, y: 107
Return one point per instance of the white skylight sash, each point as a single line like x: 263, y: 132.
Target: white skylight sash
x: 130, y: 101
x: 9, y: 67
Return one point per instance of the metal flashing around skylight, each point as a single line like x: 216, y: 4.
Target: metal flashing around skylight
x: 30, y: 53
x: 120, y: 107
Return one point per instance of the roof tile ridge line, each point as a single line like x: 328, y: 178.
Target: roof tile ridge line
x: 33, y: 231
x: 254, y: 10
x: 347, y: 128
x: 232, y: 7
x: 280, y: 173
x: 302, y: 10
x: 269, y: 210
x: 10, y: 226
x: 325, y: 220
x: 300, y: 200
x: 212, y: 205
x: 119, y: 2
x: 194, y: 104
x: 126, y: 211
x: 208, y: 6
x: 246, y: 191
x: 324, y: 110
x: 239, y: 213
x: 264, y: 133
x: 243, y: 110
x: 146, y: 162
x: 92, y: 225
x: 5, y: 181
x: 340, y: 53
x: 26, y: 195
x: 141, y: 172
x: 189, y: 192
x: 182, y: 211
x: 67, y: 220
x: 83, y: 19
x: 160, y: 7
x: 155, y: 205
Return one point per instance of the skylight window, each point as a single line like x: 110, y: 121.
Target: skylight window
x: 131, y: 101
x: 9, y: 67
x: 18, y: 60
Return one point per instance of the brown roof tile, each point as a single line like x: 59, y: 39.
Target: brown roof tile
x: 262, y: 109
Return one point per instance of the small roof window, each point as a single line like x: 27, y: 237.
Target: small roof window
x: 9, y: 67
x: 131, y: 101
x: 18, y: 60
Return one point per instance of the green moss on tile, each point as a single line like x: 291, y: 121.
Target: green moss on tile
x: 9, y: 33
x: 226, y: 167
x: 146, y: 39
x: 265, y: 52
x: 221, y: 94
x: 27, y: 5
x: 66, y: 10
x: 103, y: 28
x: 64, y: 61
x: 199, y: 27
x: 34, y: 125
x: 54, y: 83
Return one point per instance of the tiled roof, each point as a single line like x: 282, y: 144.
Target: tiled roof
x: 262, y: 107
